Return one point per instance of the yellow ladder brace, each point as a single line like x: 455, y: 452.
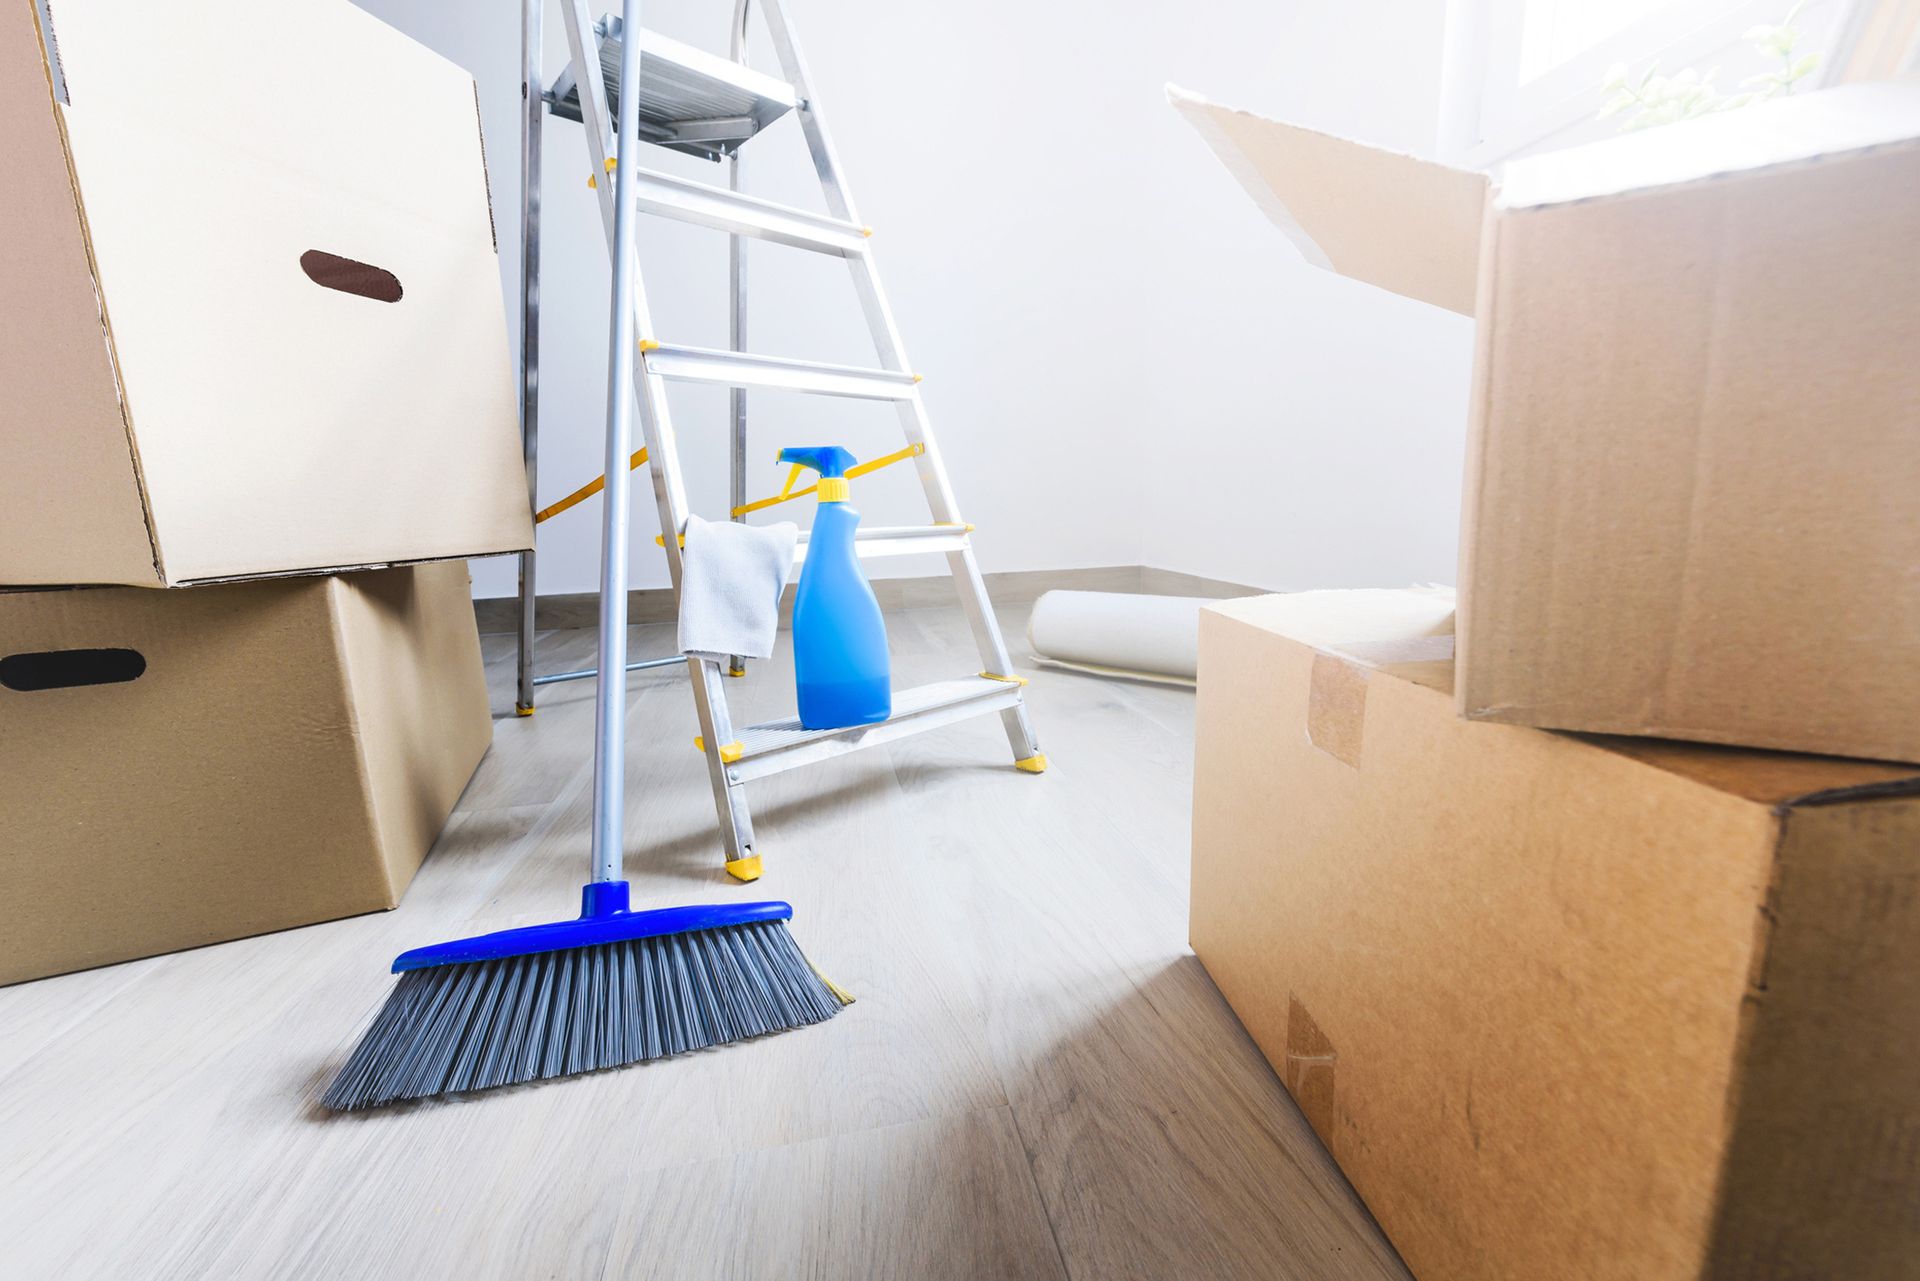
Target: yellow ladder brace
x: 787, y: 494
x: 586, y: 491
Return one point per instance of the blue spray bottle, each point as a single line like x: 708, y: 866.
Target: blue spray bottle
x: 840, y: 668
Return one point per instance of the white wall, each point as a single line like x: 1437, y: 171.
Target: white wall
x: 1314, y: 427
x: 1126, y: 363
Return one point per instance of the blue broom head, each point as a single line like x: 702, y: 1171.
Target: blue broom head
x: 612, y: 987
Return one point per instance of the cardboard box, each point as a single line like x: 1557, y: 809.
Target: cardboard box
x: 1696, y: 411
x: 253, y: 318
x: 249, y: 757
x: 1561, y: 1006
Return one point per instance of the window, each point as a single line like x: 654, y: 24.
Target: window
x: 1556, y: 32
x: 1525, y: 75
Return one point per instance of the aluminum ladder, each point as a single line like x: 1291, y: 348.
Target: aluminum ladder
x: 707, y: 106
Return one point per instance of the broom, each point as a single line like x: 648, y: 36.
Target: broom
x: 615, y: 986
x: 611, y: 988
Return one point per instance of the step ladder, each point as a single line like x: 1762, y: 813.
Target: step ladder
x: 703, y: 105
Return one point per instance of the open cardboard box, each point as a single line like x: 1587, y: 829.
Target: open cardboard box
x: 253, y: 318
x: 1562, y: 1006
x: 179, y: 768
x: 1695, y: 428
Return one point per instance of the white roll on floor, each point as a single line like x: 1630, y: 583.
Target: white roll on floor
x: 1153, y: 638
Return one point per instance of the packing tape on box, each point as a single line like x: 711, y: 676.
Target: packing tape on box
x: 1309, y: 1072
x: 1337, y: 690
x: 1337, y: 707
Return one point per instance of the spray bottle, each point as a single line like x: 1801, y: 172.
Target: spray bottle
x: 840, y: 669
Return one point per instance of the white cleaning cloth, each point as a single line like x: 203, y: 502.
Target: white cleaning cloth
x: 731, y: 577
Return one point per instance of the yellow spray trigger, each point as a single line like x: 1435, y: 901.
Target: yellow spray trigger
x: 788, y: 493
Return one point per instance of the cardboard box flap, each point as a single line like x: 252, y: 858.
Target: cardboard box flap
x: 1407, y: 225
x: 1408, y: 634
x: 1783, y: 131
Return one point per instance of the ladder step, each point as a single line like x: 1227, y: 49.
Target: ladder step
x: 783, y: 745
x: 724, y: 210
x: 899, y: 540
x: 739, y: 369
x: 690, y: 100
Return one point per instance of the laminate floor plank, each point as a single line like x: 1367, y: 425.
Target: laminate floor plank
x: 1037, y: 1079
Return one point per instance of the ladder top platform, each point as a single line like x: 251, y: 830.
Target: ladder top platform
x: 690, y: 100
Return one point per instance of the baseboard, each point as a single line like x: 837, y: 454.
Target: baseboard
x: 1016, y: 587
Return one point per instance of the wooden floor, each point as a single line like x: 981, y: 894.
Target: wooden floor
x: 1038, y: 1079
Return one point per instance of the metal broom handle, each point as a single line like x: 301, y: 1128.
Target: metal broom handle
x: 610, y: 706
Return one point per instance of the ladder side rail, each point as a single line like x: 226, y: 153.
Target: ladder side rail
x: 737, y: 320
x: 532, y: 111
x: 584, y: 48
x: 945, y: 508
x: 889, y: 347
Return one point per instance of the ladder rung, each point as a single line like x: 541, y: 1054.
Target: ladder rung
x: 724, y: 210
x: 590, y: 673
x: 783, y: 745
x: 739, y: 369
x: 899, y: 540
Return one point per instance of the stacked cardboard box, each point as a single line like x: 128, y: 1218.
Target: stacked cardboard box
x: 252, y: 329
x: 1586, y: 1005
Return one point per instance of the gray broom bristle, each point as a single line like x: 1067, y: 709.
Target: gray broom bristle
x: 450, y: 1029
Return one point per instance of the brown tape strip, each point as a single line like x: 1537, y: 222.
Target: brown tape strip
x: 1337, y: 707
x: 1309, y: 1070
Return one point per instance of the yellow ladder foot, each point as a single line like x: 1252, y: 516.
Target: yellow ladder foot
x: 744, y: 869
x: 522, y: 711
x: 1035, y: 764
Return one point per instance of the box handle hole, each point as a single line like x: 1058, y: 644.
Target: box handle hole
x: 331, y: 271
x: 67, y: 668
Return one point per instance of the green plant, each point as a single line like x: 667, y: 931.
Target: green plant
x: 1655, y: 99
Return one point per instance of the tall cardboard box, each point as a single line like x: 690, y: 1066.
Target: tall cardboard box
x: 253, y: 321
x: 1695, y: 429
x: 1561, y: 1006
x: 179, y: 768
